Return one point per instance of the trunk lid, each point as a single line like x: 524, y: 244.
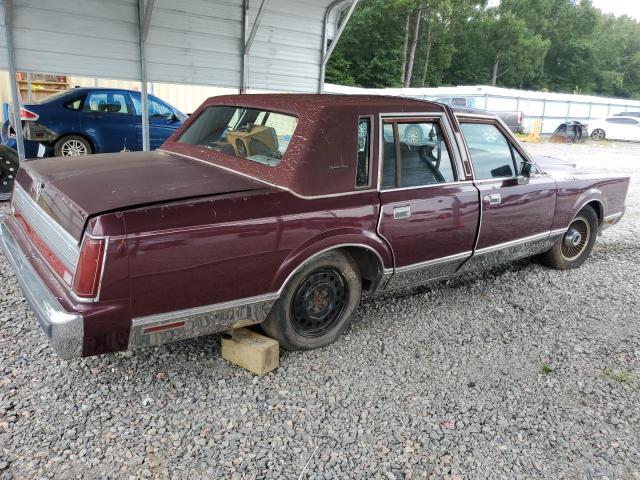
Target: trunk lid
x: 72, y: 189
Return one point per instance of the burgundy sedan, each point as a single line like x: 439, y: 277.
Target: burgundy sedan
x: 282, y: 210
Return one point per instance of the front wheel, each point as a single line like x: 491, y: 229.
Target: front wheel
x: 598, y: 134
x: 9, y: 165
x: 575, y: 246
x: 317, y: 304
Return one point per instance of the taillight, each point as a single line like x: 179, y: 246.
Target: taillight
x: 86, y: 280
x: 28, y: 115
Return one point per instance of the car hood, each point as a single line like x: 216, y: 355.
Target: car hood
x: 73, y: 189
x: 553, y: 165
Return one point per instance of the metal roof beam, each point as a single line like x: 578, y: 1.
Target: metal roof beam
x: 247, y: 40
x: 327, y: 50
x: 15, y: 91
x: 144, y: 20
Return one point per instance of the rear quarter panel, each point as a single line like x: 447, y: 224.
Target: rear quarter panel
x: 220, y: 249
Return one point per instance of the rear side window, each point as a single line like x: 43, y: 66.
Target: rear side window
x: 106, y: 102
x: 364, y: 152
x: 490, y: 151
x: 74, y: 104
x: 415, y: 154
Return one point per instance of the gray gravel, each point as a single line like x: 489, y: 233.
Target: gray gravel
x: 521, y: 372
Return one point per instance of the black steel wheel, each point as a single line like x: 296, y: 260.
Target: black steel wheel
x: 9, y: 165
x: 317, y: 303
x: 575, y: 245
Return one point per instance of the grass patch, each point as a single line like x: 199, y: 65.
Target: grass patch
x: 621, y: 376
x: 546, y: 369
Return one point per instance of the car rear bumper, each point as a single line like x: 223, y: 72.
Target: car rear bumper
x: 65, y: 330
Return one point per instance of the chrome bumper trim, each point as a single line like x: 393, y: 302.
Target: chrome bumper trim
x: 65, y: 330
x: 195, y: 322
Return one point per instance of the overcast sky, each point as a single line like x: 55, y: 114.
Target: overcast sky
x: 617, y: 7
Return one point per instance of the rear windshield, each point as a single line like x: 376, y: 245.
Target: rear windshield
x: 258, y: 135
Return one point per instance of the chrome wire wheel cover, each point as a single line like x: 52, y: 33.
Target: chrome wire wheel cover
x: 412, y: 136
x: 576, y: 239
x: 319, y: 302
x: 73, y: 148
x: 7, y: 173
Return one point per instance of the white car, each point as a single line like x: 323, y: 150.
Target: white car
x: 616, y: 128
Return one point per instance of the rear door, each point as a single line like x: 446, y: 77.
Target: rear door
x: 107, y: 119
x: 517, y: 213
x: 429, y: 212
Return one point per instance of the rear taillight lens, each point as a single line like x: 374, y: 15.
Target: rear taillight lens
x: 28, y: 115
x: 86, y: 280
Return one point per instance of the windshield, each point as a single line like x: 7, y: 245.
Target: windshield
x: 258, y: 135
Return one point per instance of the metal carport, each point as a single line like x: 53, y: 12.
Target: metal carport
x: 279, y: 45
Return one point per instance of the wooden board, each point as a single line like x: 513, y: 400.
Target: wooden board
x: 250, y: 350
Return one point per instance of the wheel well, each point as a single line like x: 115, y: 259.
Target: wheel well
x: 597, y: 207
x: 74, y: 134
x: 369, y: 265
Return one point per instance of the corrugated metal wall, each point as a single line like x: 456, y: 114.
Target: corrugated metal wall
x: 190, y: 41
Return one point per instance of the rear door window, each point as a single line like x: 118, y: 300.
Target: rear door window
x: 106, y: 102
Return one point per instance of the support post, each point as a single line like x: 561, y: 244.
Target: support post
x: 247, y: 39
x: 327, y: 50
x: 15, y: 89
x: 144, y: 20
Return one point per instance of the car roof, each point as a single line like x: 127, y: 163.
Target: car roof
x: 301, y: 103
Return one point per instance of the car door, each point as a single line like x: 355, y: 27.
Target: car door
x: 106, y: 118
x: 517, y: 211
x: 429, y: 213
x: 163, y: 120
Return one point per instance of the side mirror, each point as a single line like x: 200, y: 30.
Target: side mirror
x: 526, y: 171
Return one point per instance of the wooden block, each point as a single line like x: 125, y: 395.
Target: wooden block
x: 250, y: 350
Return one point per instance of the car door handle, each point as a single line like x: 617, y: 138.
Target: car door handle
x: 402, y: 212
x: 493, y: 199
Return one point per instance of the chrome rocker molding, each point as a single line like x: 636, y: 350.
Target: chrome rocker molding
x: 611, y: 220
x: 195, y: 322
x: 65, y: 330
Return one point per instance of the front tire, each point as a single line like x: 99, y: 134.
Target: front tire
x: 72, y: 146
x: 575, y: 245
x: 317, y: 304
x: 598, y: 134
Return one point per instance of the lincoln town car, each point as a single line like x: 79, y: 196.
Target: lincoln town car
x: 283, y: 210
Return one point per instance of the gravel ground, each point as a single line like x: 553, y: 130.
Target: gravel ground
x: 521, y: 372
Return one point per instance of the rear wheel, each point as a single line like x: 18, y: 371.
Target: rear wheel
x: 72, y: 146
x: 575, y: 246
x: 317, y: 304
x: 598, y: 134
x: 9, y: 165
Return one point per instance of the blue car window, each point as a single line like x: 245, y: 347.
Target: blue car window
x: 74, y: 104
x: 106, y: 103
x: 156, y: 108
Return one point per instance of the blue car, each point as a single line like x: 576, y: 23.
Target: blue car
x: 91, y: 120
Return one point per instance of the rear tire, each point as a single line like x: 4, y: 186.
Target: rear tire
x: 9, y: 165
x: 317, y: 304
x: 575, y: 245
x: 72, y: 146
x: 598, y: 134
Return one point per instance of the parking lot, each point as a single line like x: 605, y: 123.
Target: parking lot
x: 521, y: 372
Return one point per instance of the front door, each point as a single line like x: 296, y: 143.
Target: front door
x: 107, y: 119
x: 162, y: 121
x: 517, y: 212
x: 428, y: 216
